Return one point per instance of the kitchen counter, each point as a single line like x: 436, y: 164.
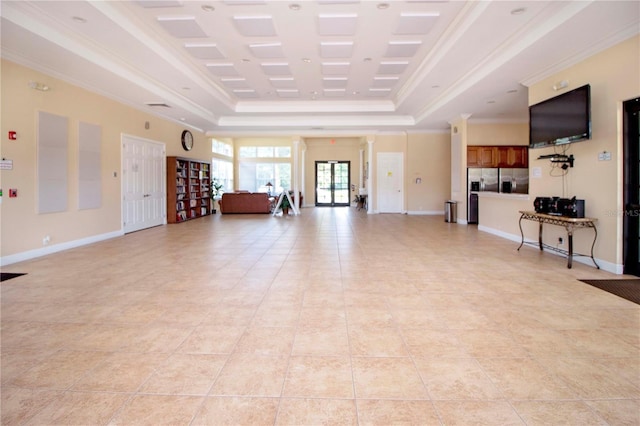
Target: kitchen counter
x: 501, y: 195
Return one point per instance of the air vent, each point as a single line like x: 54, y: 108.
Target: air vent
x: 157, y: 104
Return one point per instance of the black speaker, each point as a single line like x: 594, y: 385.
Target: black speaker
x: 579, y: 208
x: 571, y: 207
x: 542, y: 204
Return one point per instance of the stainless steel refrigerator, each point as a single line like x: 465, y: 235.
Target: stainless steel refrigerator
x: 482, y: 179
x: 479, y: 180
x: 514, y: 181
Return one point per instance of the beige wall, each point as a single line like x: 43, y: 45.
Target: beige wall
x: 497, y: 133
x: 322, y: 149
x: 613, y: 76
x: 22, y: 229
x: 428, y: 158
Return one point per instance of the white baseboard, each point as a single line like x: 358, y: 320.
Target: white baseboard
x: 54, y: 248
x: 426, y: 212
x: 586, y: 260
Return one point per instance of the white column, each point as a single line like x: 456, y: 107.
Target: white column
x: 296, y: 174
x: 370, y: 197
x: 361, y: 174
x: 303, y: 169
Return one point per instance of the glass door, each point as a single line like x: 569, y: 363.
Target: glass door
x: 332, y: 183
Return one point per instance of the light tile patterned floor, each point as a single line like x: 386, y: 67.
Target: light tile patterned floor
x: 332, y: 317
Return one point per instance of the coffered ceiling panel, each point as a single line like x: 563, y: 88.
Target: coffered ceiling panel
x: 416, y: 23
x: 288, y: 93
x: 334, y: 82
x: 276, y: 68
x: 384, y: 82
x: 282, y: 82
x: 204, y: 50
x: 392, y: 67
x: 402, y: 49
x: 181, y: 26
x: 245, y: 93
x: 267, y: 50
x: 337, y: 25
x: 235, y: 83
x: 336, y: 49
x: 292, y: 66
x: 222, y: 69
x: 334, y: 93
x: 335, y: 68
x: 255, y: 26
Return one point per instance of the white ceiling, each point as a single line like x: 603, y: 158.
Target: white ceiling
x: 313, y: 67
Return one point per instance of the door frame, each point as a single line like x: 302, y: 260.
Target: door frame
x: 380, y: 174
x: 126, y: 138
x: 315, y: 186
x: 631, y: 219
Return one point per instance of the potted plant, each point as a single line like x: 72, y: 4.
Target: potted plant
x: 216, y: 192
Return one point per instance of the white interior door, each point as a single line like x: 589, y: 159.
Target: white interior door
x: 143, y: 183
x: 390, y: 182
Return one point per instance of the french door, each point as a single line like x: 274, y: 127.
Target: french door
x: 143, y: 183
x: 332, y: 183
x: 632, y: 187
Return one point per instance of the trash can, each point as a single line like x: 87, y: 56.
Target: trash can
x: 450, y: 211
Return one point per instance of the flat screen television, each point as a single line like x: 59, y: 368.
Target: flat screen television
x: 565, y: 118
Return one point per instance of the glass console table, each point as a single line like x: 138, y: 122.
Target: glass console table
x: 569, y: 223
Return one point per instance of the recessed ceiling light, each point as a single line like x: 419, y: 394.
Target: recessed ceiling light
x: 383, y: 6
x: 314, y: 92
x: 246, y: 60
x: 355, y: 92
x: 519, y: 11
x: 306, y: 60
x: 79, y: 19
x: 294, y: 6
x: 183, y: 119
x: 207, y: 8
x: 367, y: 59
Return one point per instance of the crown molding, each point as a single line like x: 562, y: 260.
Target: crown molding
x: 315, y: 106
x: 318, y: 121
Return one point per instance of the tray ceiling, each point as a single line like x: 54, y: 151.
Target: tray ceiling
x: 309, y: 67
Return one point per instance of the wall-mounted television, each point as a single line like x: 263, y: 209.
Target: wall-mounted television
x: 562, y: 119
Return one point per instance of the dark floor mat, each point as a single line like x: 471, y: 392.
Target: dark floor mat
x: 8, y: 275
x: 627, y: 289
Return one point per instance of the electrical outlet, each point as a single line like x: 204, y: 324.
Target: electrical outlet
x: 46, y: 240
x: 560, y: 240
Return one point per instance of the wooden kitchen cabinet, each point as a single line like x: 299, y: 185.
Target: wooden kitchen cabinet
x: 481, y: 156
x: 498, y: 156
x: 513, y: 156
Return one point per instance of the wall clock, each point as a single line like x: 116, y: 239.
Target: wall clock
x: 187, y: 140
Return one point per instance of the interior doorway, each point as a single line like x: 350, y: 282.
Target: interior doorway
x: 332, y: 183
x: 143, y: 183
x: 390, y: 172
x: 631, y: 125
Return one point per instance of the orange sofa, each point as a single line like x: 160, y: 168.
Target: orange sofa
x: 245, y: 202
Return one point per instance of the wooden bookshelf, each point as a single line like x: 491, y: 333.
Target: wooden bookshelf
x: 188, y: 183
